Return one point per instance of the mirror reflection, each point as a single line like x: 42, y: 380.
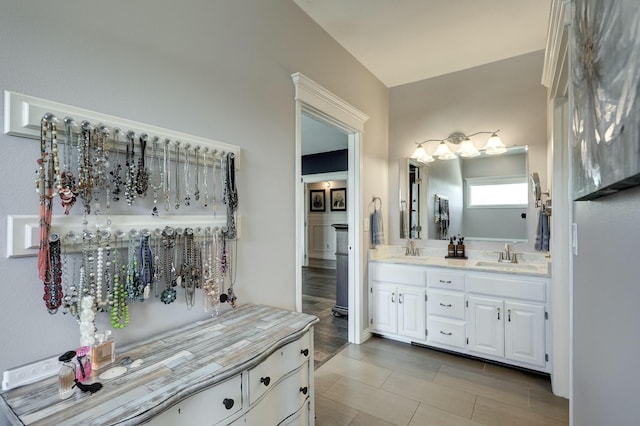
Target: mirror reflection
x: 481, y: 198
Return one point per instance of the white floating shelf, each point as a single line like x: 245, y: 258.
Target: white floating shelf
x: 23, y: 231
x: 23, y: 113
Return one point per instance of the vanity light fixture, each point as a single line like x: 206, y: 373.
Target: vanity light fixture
x: 421, y: 155
x: 466, y: 147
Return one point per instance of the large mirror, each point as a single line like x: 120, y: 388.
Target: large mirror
x: 481, y: 198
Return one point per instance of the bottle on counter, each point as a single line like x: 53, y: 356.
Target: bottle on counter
x: 460, y: 247
x: 451, y: 248
x: 103, y: 352
x: 66, y: 375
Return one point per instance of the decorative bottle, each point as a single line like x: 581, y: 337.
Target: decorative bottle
x: 66, y: 375
x: 103, y: 352
x: 451, y: 248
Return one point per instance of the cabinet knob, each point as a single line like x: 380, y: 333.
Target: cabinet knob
x: 304, y: 390
x: 304, y: 352
x: 265, y: 380
x: 228, y: 403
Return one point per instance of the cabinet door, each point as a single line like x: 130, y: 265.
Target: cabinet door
x: 524, y: 333
x: 486, y: 325
x: 384, y: 308
x: 411, y: 312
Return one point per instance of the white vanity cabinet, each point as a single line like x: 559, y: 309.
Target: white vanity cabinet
x: 397, y: 301
x: 507, y: 318
x: 497, y: 316
x: 446, y: 309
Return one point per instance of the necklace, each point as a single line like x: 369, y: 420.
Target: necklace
x: 230, y: 195
x: 85, y: 176
x: 168, y: 242
x: 177, y: 204
x: 116, y: 179
x: 70, y: 299
x: 196, y: 193
x: 187, y: 176
x: 204, y: 177
x: 68, y: 189
x: 53, y: 288
x: 190, y: 270
x: 119, y: 315
x: 155, y: 174
x: 146, y: 260
x: 167, y: 176
x: 132, y: 171
x: 134, y: 283
x: 142, y: 177
x: 45, y: 189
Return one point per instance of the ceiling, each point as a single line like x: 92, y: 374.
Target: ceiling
x: 402, y: 41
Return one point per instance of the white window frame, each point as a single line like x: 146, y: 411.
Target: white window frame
x: 493, y: 180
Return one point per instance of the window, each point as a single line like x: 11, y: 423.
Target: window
x: 497, y: 192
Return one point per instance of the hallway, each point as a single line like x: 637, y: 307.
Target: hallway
x: 318, y: 297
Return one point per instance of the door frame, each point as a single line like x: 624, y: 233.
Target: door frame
x: 317, y: 101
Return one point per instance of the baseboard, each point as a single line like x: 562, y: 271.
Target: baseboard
x: 322, y: 263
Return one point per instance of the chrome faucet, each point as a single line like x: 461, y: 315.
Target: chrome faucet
x: 507, y: 256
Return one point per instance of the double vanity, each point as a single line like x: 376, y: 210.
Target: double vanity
x: 477, y: 306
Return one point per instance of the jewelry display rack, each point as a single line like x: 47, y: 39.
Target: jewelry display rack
x: 23, y: 115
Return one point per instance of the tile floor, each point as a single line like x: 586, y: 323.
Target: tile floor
x: 383, y: 382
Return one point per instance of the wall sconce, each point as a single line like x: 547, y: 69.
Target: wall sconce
x: 327, y: 184
x: 466, y: 148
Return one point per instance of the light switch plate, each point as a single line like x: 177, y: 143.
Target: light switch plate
x: 365, y: 227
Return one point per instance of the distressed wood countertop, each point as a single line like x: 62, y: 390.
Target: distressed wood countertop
x: 176, y: 365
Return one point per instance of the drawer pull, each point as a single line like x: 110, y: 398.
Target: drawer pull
x: 446, y: 334
x: 509, y: 315
x: 446, y: 306
x: 228, y: 403
x: 498, y: 313
x: 265, y: 380
x: 393, y: 298
x: 304, y: 390
x: 400, y: 298
x: 445, y: 282
x: 304, y: 352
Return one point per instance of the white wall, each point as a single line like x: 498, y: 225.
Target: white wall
x: 215, y: 69
x: 504, y: 95
x: 320, y: 234
x: 606, y: 317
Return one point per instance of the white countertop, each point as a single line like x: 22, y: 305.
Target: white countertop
x: 529, y: 264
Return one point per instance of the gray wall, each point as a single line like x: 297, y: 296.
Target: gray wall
x: 445, y: 179
x: 219, y: 69
x: 606, y: 317
x: 506, y: 94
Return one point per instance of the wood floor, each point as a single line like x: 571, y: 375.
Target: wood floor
x: 318, y: 297
x: 382, y: 382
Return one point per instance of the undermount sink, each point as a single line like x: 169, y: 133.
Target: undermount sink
x: 506, y: 265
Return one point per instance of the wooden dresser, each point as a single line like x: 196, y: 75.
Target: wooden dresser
x: 249, y: 366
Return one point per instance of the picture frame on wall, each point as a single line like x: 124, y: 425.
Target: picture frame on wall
x: 317, y: 199
x: 338, y: 199
x: 605, y: 151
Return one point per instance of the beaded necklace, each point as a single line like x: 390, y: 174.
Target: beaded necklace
x: 190, y: 270
x: 85, y: 165
x: 44, y: 185
x: 204, y: 177
x: 116, y: 179
x: 187, y: 176
x: 53, y: 289
x: 68, y: 188
x: 146, y: 266
x: 177, y: 203
x: 142, y: 177
x: 196, y: 193
x: 119, y: 315
x: 167, y: 175
x: 132, y: 171
x: 70, y: 299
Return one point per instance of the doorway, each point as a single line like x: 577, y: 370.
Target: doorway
x: 316, y: 101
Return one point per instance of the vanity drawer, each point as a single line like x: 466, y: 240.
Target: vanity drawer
x: 266, y: 375
x: 533, y: 290
x: 443, y: 279
x: 445, y: 303
x: 445, y: 331
x: 398, y: 274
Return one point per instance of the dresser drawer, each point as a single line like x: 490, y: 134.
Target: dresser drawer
x: 445, y: 331
x: 445, y: 303
x: 281, y: 402
x: 278, y: 364
x: 443, y: 279
x: 205, y: 408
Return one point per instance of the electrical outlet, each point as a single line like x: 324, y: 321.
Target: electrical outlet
x: 365, y: 227
x: 30, y: 373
